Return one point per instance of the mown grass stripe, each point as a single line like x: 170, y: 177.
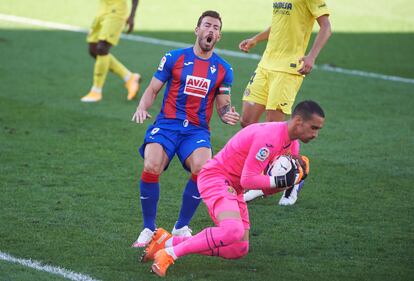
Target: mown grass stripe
x: 155, y: 41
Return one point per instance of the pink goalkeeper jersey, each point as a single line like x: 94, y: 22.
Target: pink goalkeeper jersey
x: 246, y: 155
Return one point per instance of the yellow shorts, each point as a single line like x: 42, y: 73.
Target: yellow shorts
x: 273, y: 89
x: 107, y: 27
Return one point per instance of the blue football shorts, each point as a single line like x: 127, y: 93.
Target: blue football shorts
x: 176, y: 137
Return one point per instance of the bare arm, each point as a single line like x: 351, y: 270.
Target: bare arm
x: 249, y: 43
x: 320, y: 41
x: 147, y: 100
x: 131, y: 18
x: 226, y: 112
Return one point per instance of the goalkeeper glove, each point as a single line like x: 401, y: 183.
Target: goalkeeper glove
x: 287, y: 179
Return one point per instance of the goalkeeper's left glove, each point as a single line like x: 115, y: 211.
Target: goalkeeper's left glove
x: 303, y: 167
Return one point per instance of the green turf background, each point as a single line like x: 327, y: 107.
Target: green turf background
x: 69, y: 171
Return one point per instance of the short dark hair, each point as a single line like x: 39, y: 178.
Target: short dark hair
x: 209, y: 13
x: 307, y: 108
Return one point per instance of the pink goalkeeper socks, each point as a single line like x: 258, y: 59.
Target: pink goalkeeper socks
x: 228, y: 232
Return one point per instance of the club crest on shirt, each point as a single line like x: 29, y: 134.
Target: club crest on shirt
x: 262, y: 154
x: 213, y: 69
x: 196, y: 86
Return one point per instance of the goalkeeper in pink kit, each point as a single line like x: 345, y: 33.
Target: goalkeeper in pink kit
x: 240, y: 165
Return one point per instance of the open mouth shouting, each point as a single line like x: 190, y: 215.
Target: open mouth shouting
x: 207, y: 43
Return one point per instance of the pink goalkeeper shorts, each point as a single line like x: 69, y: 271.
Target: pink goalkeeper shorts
x: 219, y: 196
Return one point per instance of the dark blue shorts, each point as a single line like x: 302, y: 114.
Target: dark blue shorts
x: 176, y: 137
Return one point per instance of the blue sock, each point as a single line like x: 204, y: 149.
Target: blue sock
x: 191, y: 200
x: 149, y: 194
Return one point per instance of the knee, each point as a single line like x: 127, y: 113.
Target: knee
x: 153, y: 167
x: 244, y: 122
x: 241, y: 249
x: 198, y: 158
x: 102, y: 48
x: 196, y: 167
x: 233, y: 232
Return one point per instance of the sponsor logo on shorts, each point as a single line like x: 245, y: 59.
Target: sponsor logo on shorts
x: 200, y: 141
x: 231, y: 190
x: 196, y: 86
x: 293, y: 65
x: 185, y: 123
x: 154, y: 131
x: 262, y: 154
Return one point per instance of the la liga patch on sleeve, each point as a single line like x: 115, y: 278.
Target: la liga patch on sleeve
x: 262, y: 154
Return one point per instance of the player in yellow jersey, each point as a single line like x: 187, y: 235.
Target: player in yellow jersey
x: 105, y: 32
x: 279, y: 75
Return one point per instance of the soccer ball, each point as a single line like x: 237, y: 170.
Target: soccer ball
x: 280, y: 166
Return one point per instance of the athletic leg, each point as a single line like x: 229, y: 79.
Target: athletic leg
x: 191, y: 197
x: 100, y: 50
x: 155, y: 160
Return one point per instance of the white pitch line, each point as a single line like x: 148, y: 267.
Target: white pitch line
x: 354, y: 72
x: 47, y: 268
x: 149, y: 40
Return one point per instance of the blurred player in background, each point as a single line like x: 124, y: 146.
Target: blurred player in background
x: 195, y: 77
x: 279, y: 75
x: 238, y: 166
x: 105, y: 32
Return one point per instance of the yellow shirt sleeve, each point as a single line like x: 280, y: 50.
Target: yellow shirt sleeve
x: 317, y: 8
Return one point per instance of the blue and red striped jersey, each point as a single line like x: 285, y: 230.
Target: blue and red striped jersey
x: 192, y: 85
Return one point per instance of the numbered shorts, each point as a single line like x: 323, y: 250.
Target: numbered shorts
x: 176, y: 137
x: 219, y: 196
x: 273, y: 89
x: 107, y: 27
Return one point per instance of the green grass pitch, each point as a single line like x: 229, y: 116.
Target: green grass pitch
x: 69, y: 172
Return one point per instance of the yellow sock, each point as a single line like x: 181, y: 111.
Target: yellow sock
x: 118, y: 68
x: 100, y: 71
